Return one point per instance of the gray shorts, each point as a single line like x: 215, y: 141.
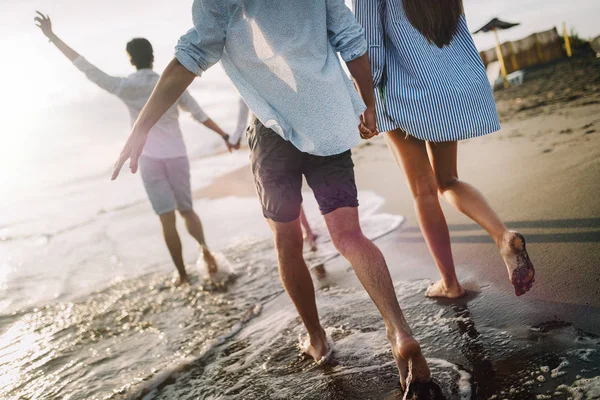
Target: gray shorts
x: 167, y: 182
x: 278, y: 167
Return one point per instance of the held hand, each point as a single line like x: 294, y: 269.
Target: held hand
x: 368, y: 124
x: 132, y: 151
x: 230, y: 146
x: 235, y: 146
x: 44, y: 23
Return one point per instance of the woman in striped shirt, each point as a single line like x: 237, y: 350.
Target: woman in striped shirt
x: 432, y: 91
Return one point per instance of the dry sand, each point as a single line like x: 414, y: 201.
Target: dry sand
x: 541, y: 173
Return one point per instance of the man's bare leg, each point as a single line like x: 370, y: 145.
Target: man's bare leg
x: 298, y: 283
x: 171, y: 236
x: 371, y: 269
x: 194, y: 227
x: 309, y: 236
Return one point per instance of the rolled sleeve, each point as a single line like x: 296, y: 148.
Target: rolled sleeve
x: 187, y: 60
x: 371, y: 14
x: 346, y: 35
x: 202, y: 46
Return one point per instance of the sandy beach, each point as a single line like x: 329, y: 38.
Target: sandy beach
x: 541, y: 173
x: 91, y: 311
x: 94, y: 300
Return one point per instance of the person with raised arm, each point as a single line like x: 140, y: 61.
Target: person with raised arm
x: 164, y: 163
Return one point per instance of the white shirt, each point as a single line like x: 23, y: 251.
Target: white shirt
x: 282, y: 57
x: 165, y: 139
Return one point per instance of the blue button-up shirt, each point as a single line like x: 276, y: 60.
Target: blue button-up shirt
x: 282, y: 57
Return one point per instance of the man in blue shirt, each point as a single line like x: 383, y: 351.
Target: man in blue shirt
x: 284, y: 62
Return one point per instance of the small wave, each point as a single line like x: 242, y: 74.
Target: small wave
x: 583, y: 389
x: 152, y: 384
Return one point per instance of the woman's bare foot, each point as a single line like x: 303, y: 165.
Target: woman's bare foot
x: 316, y: 346
x: 520, y: 269
x: 439, y: 289
x: 405, y: 348
x: 211, y: 263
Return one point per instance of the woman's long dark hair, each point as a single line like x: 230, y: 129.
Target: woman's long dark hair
x: 437, y: 20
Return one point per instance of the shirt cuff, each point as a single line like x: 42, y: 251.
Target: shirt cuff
x: 188, y: 62
x: 355, y: 50
x: 200, y: 117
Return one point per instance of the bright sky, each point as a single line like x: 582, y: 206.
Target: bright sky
x: 32, y: 71
x: 35, y: 76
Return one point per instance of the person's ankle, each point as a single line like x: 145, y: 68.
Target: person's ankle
x: 451, y: 284
x: 501, y: 239
x: 317, y: 336
x: 398, y: 331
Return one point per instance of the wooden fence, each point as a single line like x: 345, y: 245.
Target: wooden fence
x: 536, y: 49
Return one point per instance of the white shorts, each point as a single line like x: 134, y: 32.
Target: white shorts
x: 167, y: 182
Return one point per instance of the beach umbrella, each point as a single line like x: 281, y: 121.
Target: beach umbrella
x: 494, y: 26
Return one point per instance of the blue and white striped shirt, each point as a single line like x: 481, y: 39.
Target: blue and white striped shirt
x: 430, y: 93
x: 282, y: 57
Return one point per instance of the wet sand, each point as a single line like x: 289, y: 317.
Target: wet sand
x: 541, y: 173
x: 94, y: 315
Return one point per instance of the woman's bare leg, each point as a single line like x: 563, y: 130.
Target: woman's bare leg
x: 471, y: 202
x: 461, y: 195
x: 411, y: 155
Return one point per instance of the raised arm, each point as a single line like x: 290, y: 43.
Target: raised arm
x: 169, y: 88
x: 45, y: 24
x: 109, y: 83
x: 348, y: 38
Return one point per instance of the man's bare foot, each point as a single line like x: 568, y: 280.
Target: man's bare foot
x: 311, y: 241
x: 181, y: 280
x: 405, y: 348
x: 520, y: 269
x: 316, y: 346
x: 211, y: 263
x: 439, y: 289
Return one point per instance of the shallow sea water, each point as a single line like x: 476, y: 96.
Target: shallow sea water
x: 141, y: 338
